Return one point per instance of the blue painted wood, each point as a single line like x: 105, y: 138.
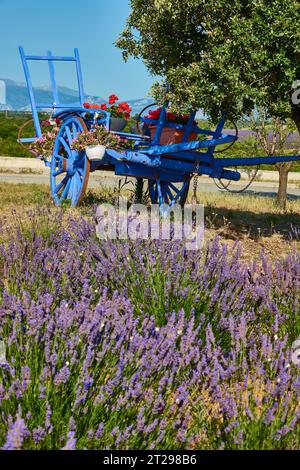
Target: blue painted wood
x: 193, y: 145
x: 141, y: 171
x: 191, y: 156
x: 188, y: 128
x: 160, y: 125
x: 132, y: 136
x: 31, y: 94
x: 250, y: 161
x: 204, y: 169
x: 79, y: 76
x: 135, y: 157
x: 55, y: 103
x: 52, y: 78
x: 54, y: 58
x: 221, y: 173
x: 27, y: 139
x: 217, y: 135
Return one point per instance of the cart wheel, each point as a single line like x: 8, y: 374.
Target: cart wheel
x: 69, y: 169
x: 165, y: 192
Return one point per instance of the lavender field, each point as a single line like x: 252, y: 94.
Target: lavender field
x: 121, y: 345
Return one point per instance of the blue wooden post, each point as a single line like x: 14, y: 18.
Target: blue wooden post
x: 189, y: 127
x: 161, y: 120
x: 31, y: 94
x: 79, y: 76
x: 160, y: 125
x: 217, y: 134
x: 52, y: 78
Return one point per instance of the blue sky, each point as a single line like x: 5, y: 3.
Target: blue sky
x: 61, y: 25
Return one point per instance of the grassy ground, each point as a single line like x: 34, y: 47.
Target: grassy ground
x: 255, y: 221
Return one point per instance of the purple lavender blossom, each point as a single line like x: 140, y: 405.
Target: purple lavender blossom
x: 146, y: 345
x: 71, y: 442
x: 15, y: 435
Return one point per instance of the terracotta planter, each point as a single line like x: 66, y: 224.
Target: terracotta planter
x: 117, y: 124
x: 170, y: 135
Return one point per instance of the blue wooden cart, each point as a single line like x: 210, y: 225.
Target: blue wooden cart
x: 168, y: 168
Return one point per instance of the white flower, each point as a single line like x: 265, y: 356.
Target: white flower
x: 157, y: 328
x: 276, y: 337
x: 67, y: 363
x: 96, y: 291
x: 179, y: 332
x: 269, y: 359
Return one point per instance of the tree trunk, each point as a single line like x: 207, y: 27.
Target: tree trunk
x: 296, y: 116
x: 282, y: 188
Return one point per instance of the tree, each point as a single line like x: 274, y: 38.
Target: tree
x: 276, y: 138
x: 219, y: 55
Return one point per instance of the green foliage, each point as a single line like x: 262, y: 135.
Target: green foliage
x: 9, y: 128
x: 218, y: 54
x: 10, y: 124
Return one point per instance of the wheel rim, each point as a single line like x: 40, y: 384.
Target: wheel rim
x: 69, y: 168
x: 166, y: 193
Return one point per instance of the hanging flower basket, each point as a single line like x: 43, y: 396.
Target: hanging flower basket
x: 95, y: 152
x: 117, y: 124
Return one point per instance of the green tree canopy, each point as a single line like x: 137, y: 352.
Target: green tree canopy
x: 219, y: 54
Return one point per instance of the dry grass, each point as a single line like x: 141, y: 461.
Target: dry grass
x: 256, y: 221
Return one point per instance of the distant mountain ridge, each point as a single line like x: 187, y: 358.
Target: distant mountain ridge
x: 17, y: 97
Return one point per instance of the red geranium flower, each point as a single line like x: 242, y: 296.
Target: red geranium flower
x: 86, y: 105
x: 125, y: 106
x: 112, y: 99
x: 171, y: 116
x: 154, y: 113
x: 119, y: 110
x: 103, y: 106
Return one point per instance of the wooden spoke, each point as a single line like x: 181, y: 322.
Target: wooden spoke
x: 165, y: 192
x: 69, y: 173
x: 66, y: 146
